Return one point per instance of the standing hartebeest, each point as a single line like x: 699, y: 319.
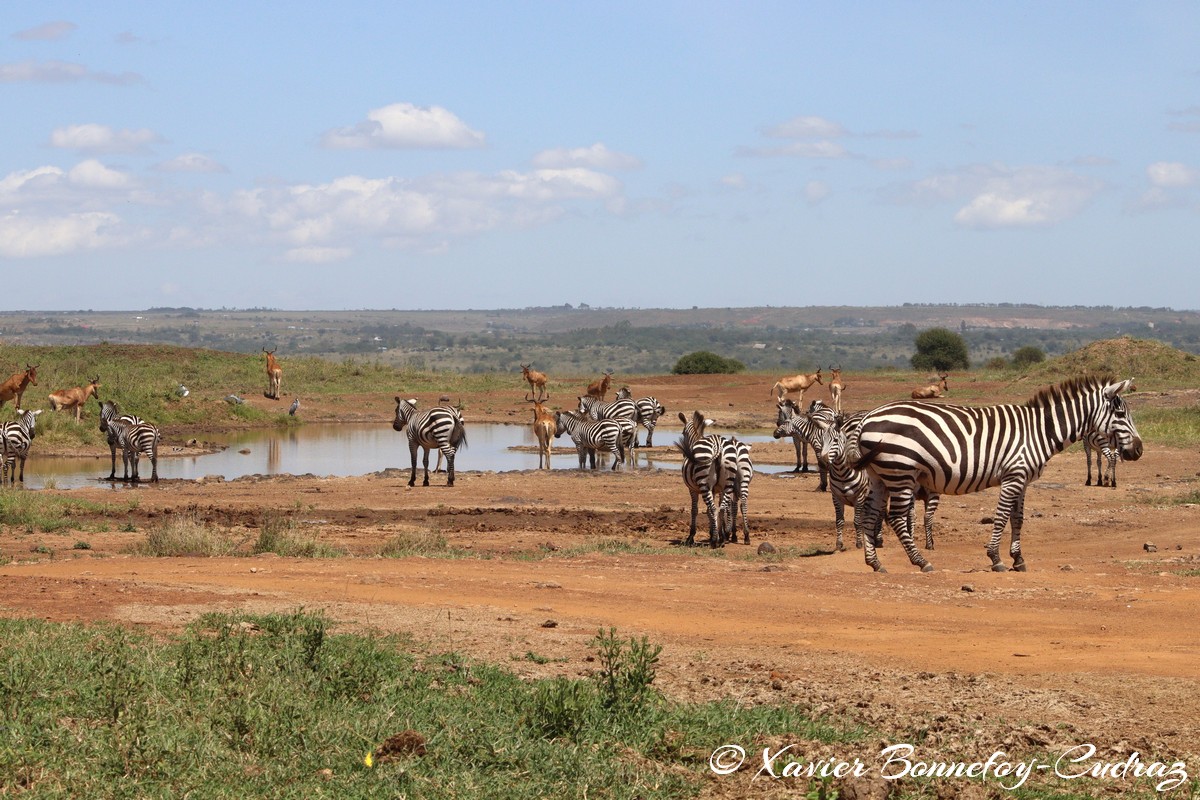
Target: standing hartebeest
x: 274, y: 374
x: 537, y: 380
x: 75, y: 398
x: 795, y: 383
x: 836, y: 387
x: 544, y: 426
x: 14, y: 387
x: 932, y: 390
x: 599, y: 387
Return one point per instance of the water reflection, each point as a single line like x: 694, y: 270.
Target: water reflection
x: 334, y: 449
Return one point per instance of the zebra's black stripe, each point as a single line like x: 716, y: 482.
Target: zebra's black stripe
x: 17, y: 437
x: 591, y: 436
x: 440, y: 428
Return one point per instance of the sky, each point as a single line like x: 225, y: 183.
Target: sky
x: 454, y: 155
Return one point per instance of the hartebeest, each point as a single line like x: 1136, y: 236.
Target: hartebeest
x: 932, y: 390
x: 544, y: 426
x: 537, y: 380
x: 599, y: 387
x: 75, y: 398
x: 274, y: 374
x: 836, y: 387
x: 14, y: 387
x: 796, y: 383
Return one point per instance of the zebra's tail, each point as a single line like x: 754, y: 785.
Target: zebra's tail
x: 458, y: 436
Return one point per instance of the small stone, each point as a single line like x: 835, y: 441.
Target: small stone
x: 766, y: 548
x: 549, y: 624
x: 968, y: 587
x: 1067, y: 568
x: 1150, y: 547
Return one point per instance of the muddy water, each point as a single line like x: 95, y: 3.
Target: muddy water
x: 329, y: 449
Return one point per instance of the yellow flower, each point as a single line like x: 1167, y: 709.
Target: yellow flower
x: 369, y: 760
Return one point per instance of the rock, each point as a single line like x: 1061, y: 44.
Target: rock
x: 1067, y: 568
x: 766, y: 548
x: 549, y: 624
x: 968, y: 587
x: 1150, y: 547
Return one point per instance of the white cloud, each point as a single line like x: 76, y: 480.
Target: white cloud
x: 95, y: 138
x: 816, y: 149
x: 91, y: 174
x: 806, y: 127
x: 997, y: 196
x: 403, y: 125
x: 816, y: 191
x: 48, y: 31
x: 23, y: 236
x: 191, y: 162
x: 1172, y: 175
x: 60, y: 72
x: 598, y: 156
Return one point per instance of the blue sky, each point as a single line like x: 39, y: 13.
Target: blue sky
x: 487, y: 155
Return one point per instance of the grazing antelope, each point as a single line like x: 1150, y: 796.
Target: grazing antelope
x: 537, y: 380
x: 932, y: 390
x: 599, y: 387
x: 795, y: 383
x: 17, y: 436
x: 274, y: 374
x: 836, y: 387
x: 440, y: 427
x: 544, y: 426
x: 14, y: 387
x: 75, y: 398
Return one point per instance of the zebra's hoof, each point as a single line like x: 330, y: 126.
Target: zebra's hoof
x: 999, y: 568
x: 927, y: 568
x: 1019, y: 567
x: 881, y: 569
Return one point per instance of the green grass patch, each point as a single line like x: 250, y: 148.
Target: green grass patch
x: 262, y: 706
x: 279, y: 535
x: 427, y: 542
x: 41, y: 511
x: 1176, y: 427
x: 186, y: 536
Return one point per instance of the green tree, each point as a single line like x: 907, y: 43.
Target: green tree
x: 702, y: 362
x: 941, y: 349
x: 1028, y: 356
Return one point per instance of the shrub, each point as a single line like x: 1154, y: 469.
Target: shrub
x: 941, y: 349
x: 1028, y: 356
x: 703, y: 362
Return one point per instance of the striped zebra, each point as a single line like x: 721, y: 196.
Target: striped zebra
x: 787, y: 410
x: 591, y: 435
x: 648, y: 412
x: 1105, y: 447
x: 623, y: 410
x: 440, y: 428
x: 17, y: 437
x: 136, y: 440
x: 709, y: 467
x: 849, y: 485
x: 737, y: 492
x: 110, y: 411
x: 950, y: 449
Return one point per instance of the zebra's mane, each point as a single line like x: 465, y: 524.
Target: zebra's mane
x: 1072, y: 387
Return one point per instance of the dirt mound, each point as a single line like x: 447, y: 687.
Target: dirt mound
x: 1124, y: 357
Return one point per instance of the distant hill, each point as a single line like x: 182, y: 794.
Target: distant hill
x: 1147, y: 360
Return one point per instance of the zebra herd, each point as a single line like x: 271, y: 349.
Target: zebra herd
x: 879, y: 462
x: 134, y: 436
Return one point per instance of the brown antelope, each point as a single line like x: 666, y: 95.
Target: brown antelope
x: 836, y: 387
x: 599, y: 388
x: 14, y: 387
x: 75, y: 398
x: 537, y: 380
x: 796, y: 383
x: 932, y: 390
x: 274, y: 374
x: 544, y: 426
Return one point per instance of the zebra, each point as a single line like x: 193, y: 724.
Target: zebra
x: 589, y: 436
x: 709, y: 466
x: 786, y: 410
x: 737, y: 491
x: 135, y: 440
x: 951, y: 449
x: 439, y: 428
x: 623, y: 410
x: 648, y: 412
x: 848, y: 484
x: 1106, y: 448
x: 110, y: 411
x: 17, y: 437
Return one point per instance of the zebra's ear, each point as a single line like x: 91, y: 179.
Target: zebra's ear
x: 1117, y: 388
